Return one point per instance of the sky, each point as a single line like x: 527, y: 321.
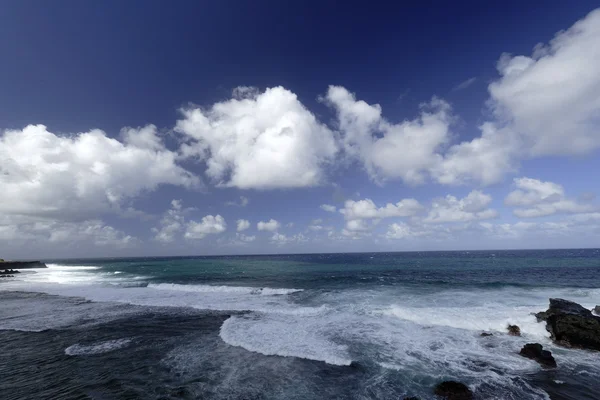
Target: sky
x: 148, y: 128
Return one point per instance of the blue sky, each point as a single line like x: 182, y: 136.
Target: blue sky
x: 147, y: 128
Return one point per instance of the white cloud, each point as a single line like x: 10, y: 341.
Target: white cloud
x: 242, y: 224
x: 171, y: 223
x: 281, y: 239
x: 210, y: 225
x: 535, y: 198
x: 259, y: 141
x: 242, y: 203
x: 406, y: 150
x: 483, y: 160
x: 552, y: 98
x: 245, y: 238
x: 545, y: 104
x: 465, y: 84
x: 271, y: 225
x: 473, y: 207
x: 36, y: 232
x: 328, y: 207
x: 366, y: 209
x: 403, y: 230
x: 78, y: 177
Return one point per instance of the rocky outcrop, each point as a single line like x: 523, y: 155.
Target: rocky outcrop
x: 486, y: 334
x: 535, y: 351
x: 4, y: 265
x: 571, y: 324
x: 514, y: 330
x: 452, y: 390
x: 597, y: 310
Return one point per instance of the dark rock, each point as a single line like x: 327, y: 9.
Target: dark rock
x: 411, y: 398
x: 541, y: 316
x: 572, y: 325
x: 486, y: 334
x: 451, y: 390
x: 597, y: 310
x: 514, y: 330
x: 21, y: 264
x: 535, y: 352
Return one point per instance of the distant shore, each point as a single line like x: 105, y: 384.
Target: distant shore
x: 6, y: 265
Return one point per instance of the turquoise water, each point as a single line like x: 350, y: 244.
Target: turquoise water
x: 370, y: 325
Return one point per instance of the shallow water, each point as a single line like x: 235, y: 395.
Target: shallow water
x: 357, y: 326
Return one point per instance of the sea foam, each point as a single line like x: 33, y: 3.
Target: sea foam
x: 96, y: 348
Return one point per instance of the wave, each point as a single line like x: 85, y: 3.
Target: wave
x: 273, y: 337
x: 60, y: 267
x: 97, y: 348
x: 265, y: 291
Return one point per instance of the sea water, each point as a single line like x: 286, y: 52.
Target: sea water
x: 356, y: 326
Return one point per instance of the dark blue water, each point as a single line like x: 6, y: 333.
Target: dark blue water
x: 360, y: 326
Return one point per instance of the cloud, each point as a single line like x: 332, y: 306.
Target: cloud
x: 171, y: 223
x: 544, y: 104
x: 551, y: 98
x: 366, y: 209
x: 465, y: 84
x: 38, y: 233
x: 210, y: 225
x: 585, y: 225
x: 259, y: 141
x: 281, y: 239
x: 81, y: 176
x: 245, y: 238
x: 243, y: 202
x: 242, y: 224
x: 406, y: 150
x: 535, y: 198
x: 327, y: 207
x: 403, y: 230
x: 473, y: 207
x: 271, y: 225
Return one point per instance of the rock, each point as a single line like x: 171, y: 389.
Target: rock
x: 514, y: 330
x: 411, y: 398
x: 597, y: 310
x: 486, y: 334
x: 572, y: 325
x: 21, y: 264
x: 535, y: 352
x: 451, y: 390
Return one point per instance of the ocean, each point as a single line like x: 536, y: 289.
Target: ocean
x: 318, y: 326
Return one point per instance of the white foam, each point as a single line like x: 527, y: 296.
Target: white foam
x: 59, y: 267
x: 223, y: 289
x: 281, y: 335
x: 97, y: 348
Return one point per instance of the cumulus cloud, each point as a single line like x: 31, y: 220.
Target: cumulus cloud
x: 281, y: 239
x: 245, y: 238
x: 272, y: 225
x: 210, y: 225
x: 535, y: 198
x: 258, y: 141
x: 406, y: 150
x: 328, y: 207
x: 242, y: 224
x: 21, y: 231
x: 543, y: 104
x: 170, y: 224
x: 75, y: 177
x: 473, y: 207
x: 366, y: 209
x: 551, y: 98
x: 403, y: 230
